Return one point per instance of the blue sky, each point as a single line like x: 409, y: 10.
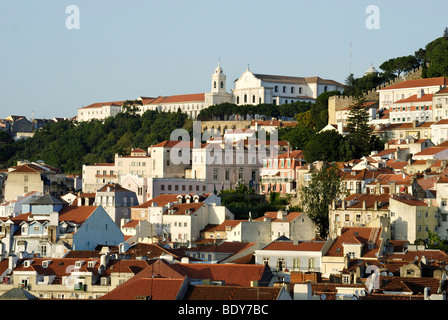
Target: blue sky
x: 126, y: 49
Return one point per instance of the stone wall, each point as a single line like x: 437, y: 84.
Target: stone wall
x: 336, y: 103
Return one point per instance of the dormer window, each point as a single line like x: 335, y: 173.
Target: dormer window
x: 91, y: 264
x: 78, y: 264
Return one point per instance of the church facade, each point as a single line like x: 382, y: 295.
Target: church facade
x: 249, y: 88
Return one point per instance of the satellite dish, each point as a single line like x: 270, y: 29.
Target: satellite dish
x: 384, y: 273
x: 390, y: 274
x: 323, y: 296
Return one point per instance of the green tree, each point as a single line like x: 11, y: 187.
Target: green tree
x: 437, y: 56
x: 325, y: 186
x: 359, y: 130
x: 323, y: 146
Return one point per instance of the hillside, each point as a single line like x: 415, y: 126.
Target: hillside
x: 68, y: 145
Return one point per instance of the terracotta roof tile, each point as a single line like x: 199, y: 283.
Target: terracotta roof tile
x: 356, y: 235
x: 440, y: 81
x: 196, y: 97
x: 232, y: 274
x: 146, y: 288
x: 211, y: 292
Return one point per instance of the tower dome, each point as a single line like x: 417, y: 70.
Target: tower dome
x: 371, y: 70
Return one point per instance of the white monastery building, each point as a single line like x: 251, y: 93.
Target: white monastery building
x: 250, y: 88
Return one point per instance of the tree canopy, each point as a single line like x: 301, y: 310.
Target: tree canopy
x: 68, y: 145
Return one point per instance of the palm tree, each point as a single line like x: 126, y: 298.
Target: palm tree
x: 433, y: 238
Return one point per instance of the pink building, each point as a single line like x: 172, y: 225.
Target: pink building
x: 279, y: 172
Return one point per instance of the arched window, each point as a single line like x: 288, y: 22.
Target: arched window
x: 214, y: 84
x: 245, y: 98
x: 325, y: 89
x: 222, y: 84
x: 237, y: 100
x: 253, y: 99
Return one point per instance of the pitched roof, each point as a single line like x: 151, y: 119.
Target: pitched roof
x: 360, y: 235
x: 146, y: 289
x: 299, y: 80
x: 102, y: 104
x: 113, y: 187
x: 273, y: 217
x: 76, y: 214
x: 17, y: 294
x: 232, y: 274
x: 173, y: 143
x: 428, y: 82
x: 411, y: 201
x: 415, y: 98
x: 196, y: 97
x: 213, y: 292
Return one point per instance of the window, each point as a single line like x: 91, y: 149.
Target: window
x: 284, y: 89
x: 311, y: 264
x: 276, y: 88
x: 240, y: 174
x: 253, y: 99
x: 215, y: 174
x: 43, y: 251
x: 245, y: 98
x: 25, y: 178
x: 222, y: 84
x: 281, y: 264
x: 227, y: 175
x: 292, y: 89
x: 296, y: 264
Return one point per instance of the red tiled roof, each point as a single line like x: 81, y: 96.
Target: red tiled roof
x: 273, y: 216
x: 414, y: 98
x: 101, y: 104
x: 146, y: 288
x: 232, y: 274
x: 210, y: 292
x: 76, y: 214
x: 428, y: 82
x: 196, y: 97
x: 355, y: 235
x: 171, y: 144
x: 411, y: 202
x: 113, y: 187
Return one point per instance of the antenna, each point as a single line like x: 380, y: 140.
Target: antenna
x: 350, y: 66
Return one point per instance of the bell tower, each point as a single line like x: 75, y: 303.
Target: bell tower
x: 218, y: 80
x: 218, y: 93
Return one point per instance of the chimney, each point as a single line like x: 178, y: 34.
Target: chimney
x: 375, y: 205
x: 364, y: 205
x: 420, y: 93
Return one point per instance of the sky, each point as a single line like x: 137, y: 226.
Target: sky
x: 126, y: 49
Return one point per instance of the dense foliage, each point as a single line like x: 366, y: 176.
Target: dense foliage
x: 224, y: 110
x: 68, y: 145
x: 325, y: 186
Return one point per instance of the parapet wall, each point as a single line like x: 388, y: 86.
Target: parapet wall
x: 336, y: 103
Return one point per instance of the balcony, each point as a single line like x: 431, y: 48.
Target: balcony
x: 276, y: 179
